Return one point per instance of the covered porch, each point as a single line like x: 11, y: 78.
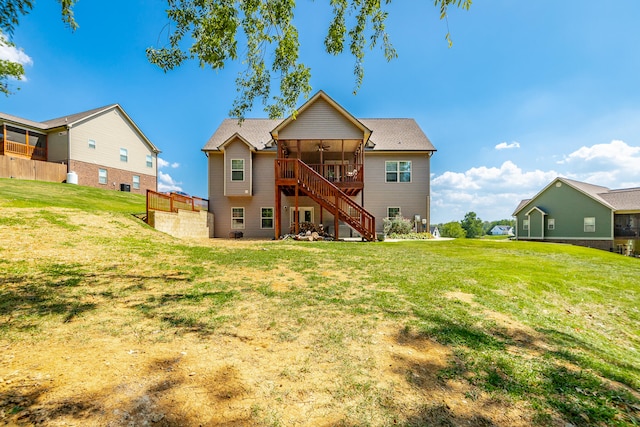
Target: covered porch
x: 339, y: 161
x: 23, y: 143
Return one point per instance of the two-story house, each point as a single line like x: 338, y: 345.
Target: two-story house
x: 323, y: 166
x: 101, y: 148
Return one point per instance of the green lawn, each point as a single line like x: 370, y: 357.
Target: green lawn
x: 553, y: 328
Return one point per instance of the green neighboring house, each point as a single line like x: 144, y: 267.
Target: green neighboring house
x: 568, y: 211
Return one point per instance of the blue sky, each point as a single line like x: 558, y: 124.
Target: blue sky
x: 529, y: 91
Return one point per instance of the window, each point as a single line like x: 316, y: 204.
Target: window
x: 393, y: 212
x: 237, y: 170
x: 136, y: 182
x: 589, y: 225
x: 102, y: 176
x: 551, y: 224
x: 124, y: 155
x: 525, y: 224
x: 398, y: 171
x: 237, y: 218
x: 266, y: 218
x: 149, y: 161
x: 92, y: 144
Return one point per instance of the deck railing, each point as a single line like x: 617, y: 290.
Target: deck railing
x: 327, y: 194
x: 23, y: 150
x: 172, y: 202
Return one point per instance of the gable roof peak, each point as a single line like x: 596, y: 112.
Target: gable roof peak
x: 322, y: 95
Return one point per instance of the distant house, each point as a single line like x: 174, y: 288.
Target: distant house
x: 323, y: 166
x: 583, y: 214
x: 501, y: 230
x: 435, y: 232
x: 102, y: 147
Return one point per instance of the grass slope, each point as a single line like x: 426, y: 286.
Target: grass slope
x: 34, y: 194
x: 462, y: 332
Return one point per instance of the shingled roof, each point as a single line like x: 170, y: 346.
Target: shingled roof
x: 627, y: 199
x: 387, y: 134
x: 70, y: 120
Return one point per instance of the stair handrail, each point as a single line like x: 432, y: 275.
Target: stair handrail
x: 324, y: 190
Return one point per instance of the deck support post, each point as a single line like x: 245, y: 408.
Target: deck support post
x: 336, y: 218
x: 278, y: 213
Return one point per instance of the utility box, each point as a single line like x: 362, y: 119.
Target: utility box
x: 125, y: 187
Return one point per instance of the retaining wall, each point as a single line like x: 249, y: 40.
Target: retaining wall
x: 182, y: 224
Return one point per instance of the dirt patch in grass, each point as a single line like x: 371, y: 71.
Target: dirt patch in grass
x: 103, y: 329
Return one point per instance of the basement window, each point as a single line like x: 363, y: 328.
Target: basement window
x: 136, y: 182
x: 237, y: 218
x: 266, y: 218
x: 102, y: 176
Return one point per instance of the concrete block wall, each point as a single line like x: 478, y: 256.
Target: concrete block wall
x: 183, y: 223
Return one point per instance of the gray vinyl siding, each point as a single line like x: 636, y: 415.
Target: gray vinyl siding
x: 263, y: 196
x: 57, y: 149
x: 111, y: 131
x: 237, y: 150
x: 320, y: 121
x: 411, y: 197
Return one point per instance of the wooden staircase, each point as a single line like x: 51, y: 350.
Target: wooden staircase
x: 326, y: 194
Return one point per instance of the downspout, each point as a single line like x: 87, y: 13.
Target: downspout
x: 69, y: 149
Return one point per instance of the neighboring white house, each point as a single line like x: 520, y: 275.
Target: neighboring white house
x: 501, y: 230
x: 103, y: 147
x: 435, y: 232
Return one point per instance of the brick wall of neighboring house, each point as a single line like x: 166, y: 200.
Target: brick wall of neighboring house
x: 88, y: 174
x: 605, y: 245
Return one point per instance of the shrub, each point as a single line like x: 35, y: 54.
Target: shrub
x: 397, y: 225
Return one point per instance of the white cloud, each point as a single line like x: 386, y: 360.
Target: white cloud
x: 616, y: 164
x: 162, y: 163
x: 12, y: 53
x: 507, y: 176
x: 491, y: 192
x: 494, y: 192
x: 167, y: 183
x: 505, y: 146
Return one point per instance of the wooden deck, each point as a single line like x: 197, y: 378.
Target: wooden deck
x: 25, y: 151
x: 294, y: 178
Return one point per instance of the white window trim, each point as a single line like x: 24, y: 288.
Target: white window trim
x: 92, y: 144
x: 525, y: 224
x: 236, y: 170
x: 233, y: 225
x: 106, y: 177
x: 590, y: 225
x: 394, y: 207
x: 149, y: 161
x: 135, y: 185
x: 272, y: 218
x: 398, y: 171
x: 126, y: 155
x: 551, y: 223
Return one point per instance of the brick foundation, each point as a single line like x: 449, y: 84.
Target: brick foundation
x: 605, y: 245
x: 88, y: 175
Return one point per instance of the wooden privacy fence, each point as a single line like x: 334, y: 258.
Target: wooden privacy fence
x: 15, y: 167
x: 172, y: 202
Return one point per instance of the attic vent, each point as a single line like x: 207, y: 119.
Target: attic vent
x: 558, y: 184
